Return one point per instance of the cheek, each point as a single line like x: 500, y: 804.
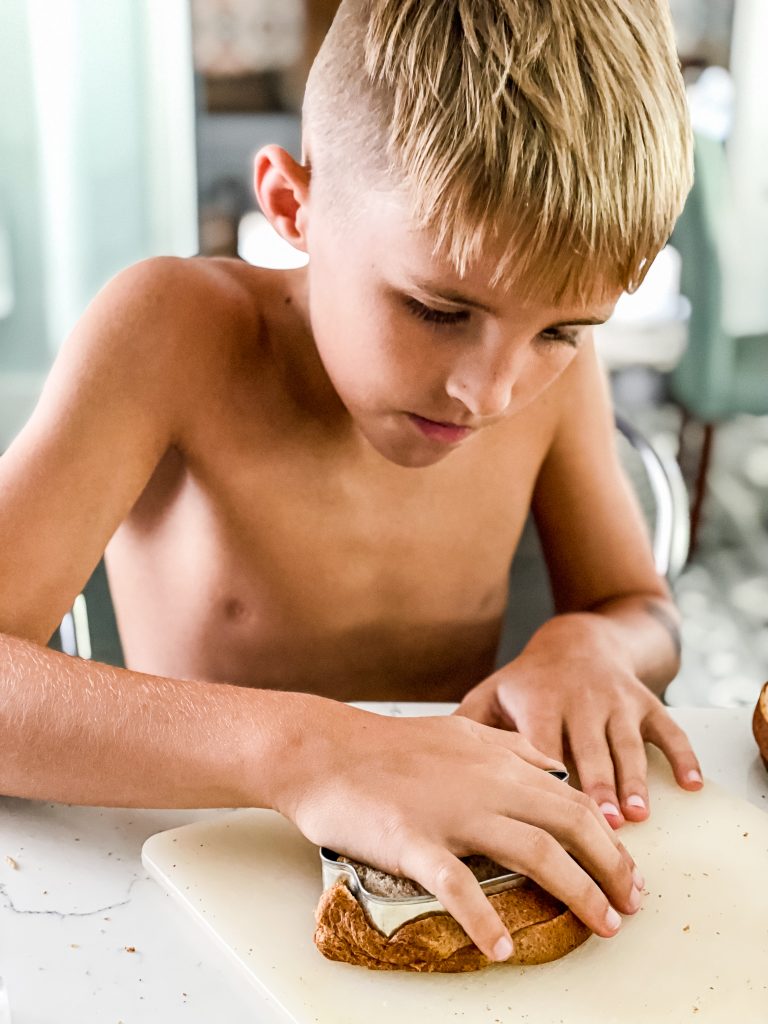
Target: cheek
x: 356, y: 342
x: 543, y: 370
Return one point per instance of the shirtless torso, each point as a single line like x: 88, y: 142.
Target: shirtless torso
x: 268, y: 551
x: 253, y: 535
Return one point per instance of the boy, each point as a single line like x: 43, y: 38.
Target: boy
x: 314, y: 481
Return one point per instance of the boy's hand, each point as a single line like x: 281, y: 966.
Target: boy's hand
x: 413, y: 795
x: 586, y: 695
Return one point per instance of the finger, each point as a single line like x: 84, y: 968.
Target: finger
x: 578, y: 824
x: 536, y: 853
x: 547, y: 786
x: 454, y: 885
x: 631, y: 767
x: 515, y: 742
x: 481, y: 705
x: 659, y: 729
x: 523, y: 747
x: 594, y: 763
x: 545, y: 734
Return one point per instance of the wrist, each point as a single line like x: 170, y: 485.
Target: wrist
x: 578, y: 635
x: 290, y: 741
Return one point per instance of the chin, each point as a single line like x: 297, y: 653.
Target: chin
x: 404, y: 453
x: 413, y: 460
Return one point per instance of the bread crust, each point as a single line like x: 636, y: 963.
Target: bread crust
x: 542, y: 929
x: 760, y: 724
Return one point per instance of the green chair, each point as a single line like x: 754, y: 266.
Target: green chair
x: 719, y: 375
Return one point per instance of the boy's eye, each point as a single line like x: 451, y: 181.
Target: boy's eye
x: 435, y: 316
x: 554, y: 336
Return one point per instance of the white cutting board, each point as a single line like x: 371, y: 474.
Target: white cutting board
x: 697, y: 950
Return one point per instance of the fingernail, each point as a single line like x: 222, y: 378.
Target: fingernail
x: 503, y: 949
x: 612, y: 919
x: 611, y: 809
x: 634, y: 898
x: 638, y: 879
x: 693, y: 776
x: 635, y: 801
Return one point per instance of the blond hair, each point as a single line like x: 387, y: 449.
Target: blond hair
x: 553, y: 133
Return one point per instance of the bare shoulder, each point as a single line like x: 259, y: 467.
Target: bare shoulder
x: 197, y: 298
x: 183, y: 319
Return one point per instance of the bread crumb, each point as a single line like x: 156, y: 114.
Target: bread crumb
x: 687, y: 928
x: 130, y: 949
x: 12, y: 863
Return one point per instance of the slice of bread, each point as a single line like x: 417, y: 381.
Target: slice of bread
x: 760, y: 724
x: 542, y: 928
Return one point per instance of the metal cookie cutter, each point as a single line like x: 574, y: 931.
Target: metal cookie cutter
x: 389, y: 913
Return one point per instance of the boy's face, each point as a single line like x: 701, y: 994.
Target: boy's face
x: 409, y: 345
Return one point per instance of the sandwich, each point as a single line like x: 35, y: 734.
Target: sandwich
x: 760, y: 724
x: 542, y: 928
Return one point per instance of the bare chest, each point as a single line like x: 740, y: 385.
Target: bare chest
x: 276, y: 562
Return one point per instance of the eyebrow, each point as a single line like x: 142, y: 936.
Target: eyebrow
x: 449, y: 295
x: 593, y: 322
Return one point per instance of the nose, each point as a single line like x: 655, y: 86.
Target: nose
x: 486, y: 384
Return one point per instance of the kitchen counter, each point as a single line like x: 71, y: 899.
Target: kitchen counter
x: 86, y: 936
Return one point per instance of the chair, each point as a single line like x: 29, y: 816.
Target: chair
x: 661, y: 491
x: 74, y: 631
x: 655, y: 477
x: 719, y: 375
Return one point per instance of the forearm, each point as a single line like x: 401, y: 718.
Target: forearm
x: 644, y: 629
x: 84, y: 733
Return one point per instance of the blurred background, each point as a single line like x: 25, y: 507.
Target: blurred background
x: 128, y: 129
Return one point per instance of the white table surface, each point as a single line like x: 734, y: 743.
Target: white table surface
x: 86, y: 936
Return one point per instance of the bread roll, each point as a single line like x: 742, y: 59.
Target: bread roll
x: 542, y: 928
x: 760, y: 724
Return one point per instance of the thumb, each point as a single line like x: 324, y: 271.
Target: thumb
x: 482, y: 705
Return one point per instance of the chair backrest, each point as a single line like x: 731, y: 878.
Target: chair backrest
x: 74, y: 631
x: 661, y: 491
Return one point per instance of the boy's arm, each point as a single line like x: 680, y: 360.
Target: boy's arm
x: 108, y: 412
x: 111, y: 407
x: 80, y: 732
x: 591, y: 673
x: 594, y: 537
x: 84, y: 733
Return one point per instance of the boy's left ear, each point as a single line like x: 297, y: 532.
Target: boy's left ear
x: 282, y: 189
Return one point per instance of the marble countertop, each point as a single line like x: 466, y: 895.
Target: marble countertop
x: 86, y: 936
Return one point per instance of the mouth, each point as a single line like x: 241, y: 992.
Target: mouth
x: 447, y: 433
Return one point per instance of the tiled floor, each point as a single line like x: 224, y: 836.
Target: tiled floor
x: 723, y: 592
